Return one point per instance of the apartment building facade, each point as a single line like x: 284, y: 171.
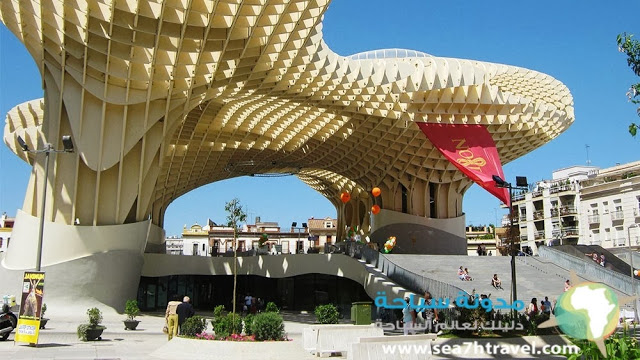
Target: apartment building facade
x: 580, y: 205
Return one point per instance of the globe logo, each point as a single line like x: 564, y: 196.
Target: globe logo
x: 588, y: 311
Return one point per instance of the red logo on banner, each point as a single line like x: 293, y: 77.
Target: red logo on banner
x: 472, y: 150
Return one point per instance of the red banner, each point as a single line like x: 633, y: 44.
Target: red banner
x: 472, y: 150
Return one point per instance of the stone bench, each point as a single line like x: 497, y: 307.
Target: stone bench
x: 372, y: 348
x: 328, y: 339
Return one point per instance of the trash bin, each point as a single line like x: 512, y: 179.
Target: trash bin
x: 361, y: 313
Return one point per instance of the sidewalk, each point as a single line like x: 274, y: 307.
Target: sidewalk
x: 59, y: 341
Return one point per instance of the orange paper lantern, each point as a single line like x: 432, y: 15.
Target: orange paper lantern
x: 375, y: 209
x: 345, y: 197
x: 375, y: 191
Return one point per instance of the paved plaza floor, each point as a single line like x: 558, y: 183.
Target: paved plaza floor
x: 59, y: 341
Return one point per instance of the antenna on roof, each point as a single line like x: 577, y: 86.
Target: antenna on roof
x: 586, y: 146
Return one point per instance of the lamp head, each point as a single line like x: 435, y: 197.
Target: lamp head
x: 23, y: 145
x: 521, y: 181
x: 67, y: 143
x: 294, y: 224
x: 304, y: 225
x: 499, y: 181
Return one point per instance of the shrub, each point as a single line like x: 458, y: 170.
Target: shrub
x: 82, y: 331
x: 271, y: 307
x: 43, y: 310
x: 248, y: 324
x: 192, y: 326
x: 131, y: 309
x: 227, y: 325
x: 327, y: 314
x: 95, y: 316
x: 268, y: 326
x: 217, y: 311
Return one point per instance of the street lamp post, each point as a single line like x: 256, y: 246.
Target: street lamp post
x: 67, y: 144
x: 521, y: 183
x: 298, y: 230
x: 633, y: 285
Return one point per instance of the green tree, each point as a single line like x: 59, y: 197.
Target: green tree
x: 631, y: 47
x: 235, y: 216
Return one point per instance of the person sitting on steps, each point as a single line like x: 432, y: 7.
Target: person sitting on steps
x: 496, y: 283
x: 467, y: 277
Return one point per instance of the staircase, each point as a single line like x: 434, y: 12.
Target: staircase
x: 535, y: 277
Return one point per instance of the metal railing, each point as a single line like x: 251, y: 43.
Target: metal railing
x: 571, y: 231
x: 620, y: 242
x: 617, y: 215
x: 568, y: 210
x: 589, y: 270
x: 403, y: 277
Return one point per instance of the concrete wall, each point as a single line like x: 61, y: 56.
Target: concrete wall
x: 62, y: 243
x: 420, y: 235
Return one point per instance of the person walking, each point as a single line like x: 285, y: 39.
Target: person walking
x: 545, y: 306
x: 171, y: 318
x: 532, y: 309
x: 184, y: 311
x: 408, y: 318
x: 429, y: 314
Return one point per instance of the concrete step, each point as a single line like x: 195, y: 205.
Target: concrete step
x: 535, y: 277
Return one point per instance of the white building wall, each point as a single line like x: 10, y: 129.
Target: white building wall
x: 611, y: 230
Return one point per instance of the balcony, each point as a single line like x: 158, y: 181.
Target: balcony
x: 570, y: 231
x: 524, y: 238
x: 620, y: 242
x: 594, y: 219
x: 568, y: 210
x: 538, y: 215
x: 523, y: 217
x: 597, y: 242
x: 539, y: 235
x: 617, y: 215
x: 561, y: 188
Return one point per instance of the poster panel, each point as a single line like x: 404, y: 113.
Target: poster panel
x: 30, y: 307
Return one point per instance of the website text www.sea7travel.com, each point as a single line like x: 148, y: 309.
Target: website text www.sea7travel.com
x: 476, y: 348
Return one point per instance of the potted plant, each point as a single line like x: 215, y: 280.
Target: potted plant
x: 131, y: 310
x: 43, y: 320
x: 93, y: 330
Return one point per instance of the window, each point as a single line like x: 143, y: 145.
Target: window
x: 607, y: 234
x: 595, y: 237
x: 328, y: 224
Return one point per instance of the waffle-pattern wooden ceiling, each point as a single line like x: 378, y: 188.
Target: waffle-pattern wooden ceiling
x: 249, y: 86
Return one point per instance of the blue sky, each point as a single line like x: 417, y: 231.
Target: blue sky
x: 573, y: 41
